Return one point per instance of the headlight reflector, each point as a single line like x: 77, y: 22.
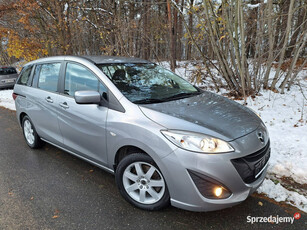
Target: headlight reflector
x: 197, y: 142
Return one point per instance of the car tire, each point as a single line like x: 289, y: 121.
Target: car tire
x: 30, y: 134
x: 141, y: 182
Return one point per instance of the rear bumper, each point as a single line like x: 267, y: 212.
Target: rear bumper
x: 7, y: 83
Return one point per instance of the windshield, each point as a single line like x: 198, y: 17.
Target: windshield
x: 147, y: 83
x: 7, y: 70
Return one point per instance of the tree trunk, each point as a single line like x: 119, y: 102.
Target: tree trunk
x: 271, y: 44
x: 189, y: 44
x: 302, y: 15
x: 180, y: 35
x: 283, y: 50
x: 171, y: 36
x: 146, y: 45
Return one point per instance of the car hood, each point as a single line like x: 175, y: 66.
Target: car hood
x: 208, y: 113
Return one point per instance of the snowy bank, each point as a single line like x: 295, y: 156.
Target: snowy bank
x: 6, y: 99
x: 285, y: 116
x: 279, y: 193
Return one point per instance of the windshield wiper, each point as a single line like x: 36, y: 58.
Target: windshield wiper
x: 181, y: 96
x: 148, y: 101
x: 155, y: 100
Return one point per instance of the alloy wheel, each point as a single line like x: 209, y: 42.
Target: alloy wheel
x: 143, y: 183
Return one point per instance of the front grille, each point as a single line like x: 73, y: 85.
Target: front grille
x: 251, y: 165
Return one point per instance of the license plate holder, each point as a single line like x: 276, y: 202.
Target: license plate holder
x: 9, y: 80
x: 260, y: 164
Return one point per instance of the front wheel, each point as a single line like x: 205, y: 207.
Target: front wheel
x: 141, y: 182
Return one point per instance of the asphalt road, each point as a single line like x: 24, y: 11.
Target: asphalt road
x: 51, y: 189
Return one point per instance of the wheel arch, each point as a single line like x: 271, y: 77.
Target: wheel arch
x: 21, y: 116
x: 125, y: 151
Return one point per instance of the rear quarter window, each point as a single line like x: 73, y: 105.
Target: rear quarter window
x: 25, y: 75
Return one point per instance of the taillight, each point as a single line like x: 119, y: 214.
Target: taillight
x: 14, y: 96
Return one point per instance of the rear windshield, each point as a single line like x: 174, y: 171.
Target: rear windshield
x: 7, y: 70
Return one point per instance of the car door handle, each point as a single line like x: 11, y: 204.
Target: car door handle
x: 48, y: 99
x: 64, y: 105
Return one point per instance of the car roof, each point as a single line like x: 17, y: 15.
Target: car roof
x: 114, y: 59
x: 93, y: 59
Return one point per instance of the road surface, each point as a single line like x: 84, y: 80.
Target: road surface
x: 51, y: 189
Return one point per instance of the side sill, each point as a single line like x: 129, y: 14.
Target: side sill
x: 81, y: 157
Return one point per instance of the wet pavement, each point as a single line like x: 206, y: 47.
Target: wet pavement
x: 51, y: 189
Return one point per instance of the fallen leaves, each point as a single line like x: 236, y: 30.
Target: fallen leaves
x: 260, y: 203
x: 56, y: 214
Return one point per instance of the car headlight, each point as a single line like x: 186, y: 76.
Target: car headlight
x: 197, y: 142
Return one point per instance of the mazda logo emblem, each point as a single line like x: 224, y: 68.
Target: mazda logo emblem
x: 260, y: 137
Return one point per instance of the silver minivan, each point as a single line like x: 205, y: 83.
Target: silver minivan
x: 166, y: 141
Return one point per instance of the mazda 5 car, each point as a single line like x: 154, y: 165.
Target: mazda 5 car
x: 165, y: 140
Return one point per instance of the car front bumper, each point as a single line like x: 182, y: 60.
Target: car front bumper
x: 186, y: 193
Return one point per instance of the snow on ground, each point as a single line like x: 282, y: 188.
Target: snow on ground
x: 6, y: 99
x: 279, y: 193
x: 285, y: 116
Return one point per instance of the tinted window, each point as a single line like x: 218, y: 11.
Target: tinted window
x: 7, y: 70
x: 79, y: 78
x: 48, y: 77
x: 25, y: 75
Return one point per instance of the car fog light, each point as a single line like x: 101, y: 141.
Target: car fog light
x: 209, y: 187
x: 218, y: 191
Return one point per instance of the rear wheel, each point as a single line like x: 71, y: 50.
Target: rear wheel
x: 30, y: 134
x: 141, y: 182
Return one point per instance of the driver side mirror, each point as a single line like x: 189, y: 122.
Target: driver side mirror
x: 87, y: 97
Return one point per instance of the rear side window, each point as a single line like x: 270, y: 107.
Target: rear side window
x: 48, y: 77
x: 25, y: 75
x: 79, y: 78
